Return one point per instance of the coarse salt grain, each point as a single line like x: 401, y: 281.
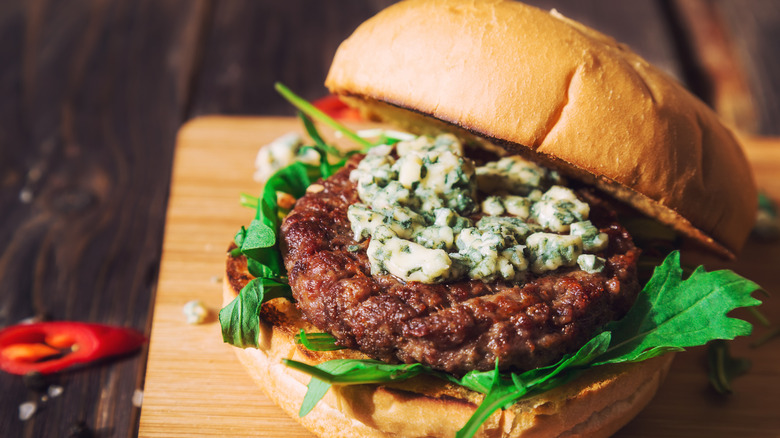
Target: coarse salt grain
x: 55, y: 391
x: 27, y: 410
x: 138, y: 398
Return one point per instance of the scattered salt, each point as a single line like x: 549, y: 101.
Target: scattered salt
x: 27, y: 410
x: 26, y: 195
x: 138, y: 398
x: 55, y: 391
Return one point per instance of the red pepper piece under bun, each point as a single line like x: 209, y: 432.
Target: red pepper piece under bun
x: 85, y: 343
x: 335, y: 108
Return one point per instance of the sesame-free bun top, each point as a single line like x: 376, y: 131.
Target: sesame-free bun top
x: 538, y: 83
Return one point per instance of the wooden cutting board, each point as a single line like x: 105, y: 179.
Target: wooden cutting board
x: 195, y: 387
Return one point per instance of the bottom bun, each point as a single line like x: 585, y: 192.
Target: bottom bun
x: 597, y: 404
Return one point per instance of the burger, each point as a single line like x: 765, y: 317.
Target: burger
x: 475, y: 274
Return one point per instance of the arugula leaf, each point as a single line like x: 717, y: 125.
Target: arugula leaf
x: 359, y: 371
x: 259, y: 243
x: 673, y: 313
x: 247, y: 200
x: 240, y: 319
x: 258, y: 246
x: 315, y: 135
x: 506, y: 390
x: 317, y: 341
x: 323, y: 149
x: 316, y: 114
x: 350, y: 372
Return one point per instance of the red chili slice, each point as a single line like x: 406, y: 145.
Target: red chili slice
x: 48, y: 347
x: 335, y: 108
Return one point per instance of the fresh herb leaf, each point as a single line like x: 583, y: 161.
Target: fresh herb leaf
x: 248, y: 200
x: 350, y: 372
x: 258, y: 245
x: 505, y: 390
x: 240, y: 319
x: 259, y: 242
x: 315, y: 135
x: 258, y: 236
x: 317, y: 388
x: 673, y: 313
x: 359, y: 371
x: 317, y: 341
x: 318, y: 115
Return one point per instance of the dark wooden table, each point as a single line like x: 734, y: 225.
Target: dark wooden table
x: 92, y: 94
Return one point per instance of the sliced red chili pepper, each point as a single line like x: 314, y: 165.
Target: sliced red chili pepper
x: 335, y: 108
x: 48, y: 347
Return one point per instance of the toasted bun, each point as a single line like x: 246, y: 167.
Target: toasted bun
x: 536, y: 82
x: 595, y: 405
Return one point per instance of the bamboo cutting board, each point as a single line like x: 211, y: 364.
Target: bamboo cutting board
x: 195, y: 386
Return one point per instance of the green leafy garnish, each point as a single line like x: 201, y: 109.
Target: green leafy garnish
x: 323, y: 149
x: 317, y: 341
x: 349, y: 372
x: 248, y: 200
x: 240, y: 319
x: 670, y: 314
x: 673, y: 313
x: 259, y: 242
x: 318, y: 115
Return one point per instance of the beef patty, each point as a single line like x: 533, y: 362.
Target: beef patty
x: 455, y: 327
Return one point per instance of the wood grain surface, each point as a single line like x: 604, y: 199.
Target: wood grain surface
x: 196, y: 387
x: 93, y: 92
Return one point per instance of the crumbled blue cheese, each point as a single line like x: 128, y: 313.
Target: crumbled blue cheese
x: 551, y: 251
x: 592, y: 239
x: 416, y: 196
x: 492, y: 206
x: 514, y: 175
x: 448, y: 217
x: 401, y: 220
x: 591, y: 263
x: 497, y: 205
x: 428, y: 174
x: 490, y: 256
x: 195, y: 312
x: 558, y: 208
x: 408, y: 260
x: 435, y: 237
x: 281, y: 153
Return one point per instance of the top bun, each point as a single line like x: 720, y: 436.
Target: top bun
x: 538, y: 83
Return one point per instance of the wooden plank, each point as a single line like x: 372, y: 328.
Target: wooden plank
x: 90, y: 111
x: 195, y: 386
x: 253, y: 44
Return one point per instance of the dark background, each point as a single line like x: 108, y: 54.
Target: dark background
x: 92, y: 94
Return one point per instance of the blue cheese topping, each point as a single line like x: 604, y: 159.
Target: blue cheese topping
x: 417, y: 196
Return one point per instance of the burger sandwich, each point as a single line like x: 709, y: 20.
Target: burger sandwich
x: 480, y: 271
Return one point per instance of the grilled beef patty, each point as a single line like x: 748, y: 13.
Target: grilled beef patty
x: 455, y: 327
